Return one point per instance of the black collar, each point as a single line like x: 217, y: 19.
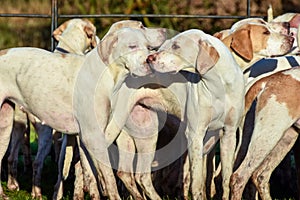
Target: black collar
x: 61, y: 50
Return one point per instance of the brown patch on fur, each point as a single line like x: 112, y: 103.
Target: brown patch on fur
x: 89, y: 28
x: 106, y: 47
x: 219, y: 35
x: 90, y: 31
x: 63, y: 55
x: 259, y: 36
x: 3, y: 52
x: 248, y: 39
x: 207, y: 57
x: 123, y: 24
x: 286, y: 90
x: 241, y: 43
x: 59, y: 30
x: 253, y: 92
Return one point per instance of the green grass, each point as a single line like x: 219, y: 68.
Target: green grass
x: 25, y: 181
x: 49, y: 178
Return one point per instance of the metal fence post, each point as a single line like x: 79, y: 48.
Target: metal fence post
x: 54, y: 17
x: 248, y: 8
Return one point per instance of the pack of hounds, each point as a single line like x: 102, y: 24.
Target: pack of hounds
x: 116, y: 106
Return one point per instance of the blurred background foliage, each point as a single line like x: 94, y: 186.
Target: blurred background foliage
x: 16, y: 31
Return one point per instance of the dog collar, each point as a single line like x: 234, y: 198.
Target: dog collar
x: 61, y: 50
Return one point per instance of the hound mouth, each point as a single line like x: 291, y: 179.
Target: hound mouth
x: 145, y: 72
x: 153, y: 70
x: 149, y: 62
x: 134, y: 75
x: 151, y: 66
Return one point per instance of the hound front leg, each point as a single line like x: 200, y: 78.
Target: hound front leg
x: 89, y: 179
x: 26, y: 149
x: 227, y: 153
x: 186, y: 178
x: 98, y: 150
x: 58, y: 188
x: 195, y: 152
x: 143, y: 127
x: 19, y: 136
x: 146, y: 150
x: 44, y: 147
x: 113, y: 130
x: 125, y: 172
x: 12, y: 161
x: 120, y: 114
x: 6, y: 124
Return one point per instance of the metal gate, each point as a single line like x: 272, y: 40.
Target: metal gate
x: 55, y: 16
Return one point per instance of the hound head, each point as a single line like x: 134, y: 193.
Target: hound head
x: 76, y: 36
x: 188, y: 50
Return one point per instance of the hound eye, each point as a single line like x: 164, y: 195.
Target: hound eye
x: 132, y: 46
x: 89, y: 36
x: 142, y: 27
x: 151, y: 48
x: 175, y: 46
x: 266, y: 33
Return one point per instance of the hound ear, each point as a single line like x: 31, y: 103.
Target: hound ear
x: 207, y: 57
x: 90, y: 31
x: 241, y: 43
x: 105, y: 47
x: 222, y: 34
x: 59, y: 30
x: 295, y: 21
x: 218, y: 35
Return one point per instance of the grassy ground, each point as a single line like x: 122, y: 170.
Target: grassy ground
x: 49, y: 177
x: 48, y: 181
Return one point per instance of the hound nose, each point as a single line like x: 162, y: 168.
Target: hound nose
x: 151, y: 58
x: 291, y: 40
x: 286, y: 26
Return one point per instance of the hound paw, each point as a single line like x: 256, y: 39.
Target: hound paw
x: 237, y: 186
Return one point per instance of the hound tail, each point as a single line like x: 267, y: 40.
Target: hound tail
x: 253, y: 92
